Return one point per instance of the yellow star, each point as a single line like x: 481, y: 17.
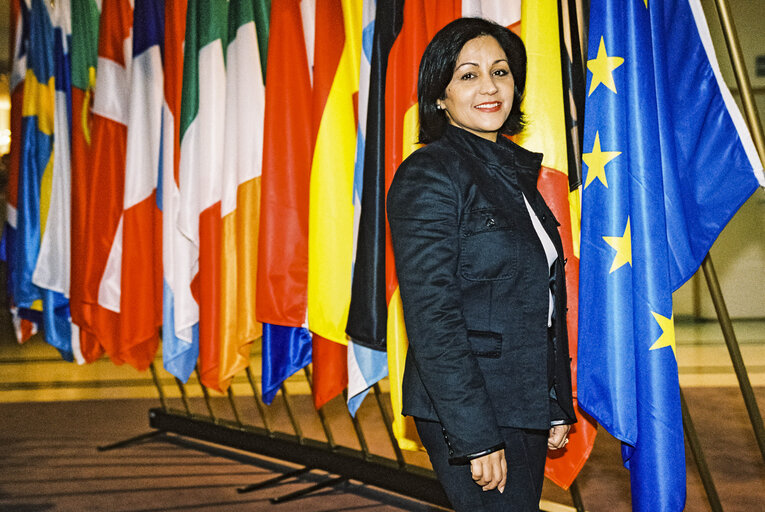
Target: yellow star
x: 667, y: 338
x: 646, y: 4
x: 596, y: 162
x: 623, y: 246
x: 602, y: 68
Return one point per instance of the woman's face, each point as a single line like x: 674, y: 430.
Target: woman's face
x: 480, y: 94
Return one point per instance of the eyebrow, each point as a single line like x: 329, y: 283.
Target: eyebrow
x: 476, y: 64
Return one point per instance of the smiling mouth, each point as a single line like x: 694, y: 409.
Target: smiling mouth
x: 492, y: 106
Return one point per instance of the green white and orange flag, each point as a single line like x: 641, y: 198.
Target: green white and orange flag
x: 240, y: 201
x: 330, y: 233
x: 202, y: 132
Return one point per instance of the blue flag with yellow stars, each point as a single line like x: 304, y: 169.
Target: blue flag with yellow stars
x: 667, y: 161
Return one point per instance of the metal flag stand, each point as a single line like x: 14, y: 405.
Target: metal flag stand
x: 340, y: 463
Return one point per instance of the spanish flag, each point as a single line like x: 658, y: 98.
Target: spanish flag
x: 330, y: 233
x: 546, y: 134
x: 422, y: 19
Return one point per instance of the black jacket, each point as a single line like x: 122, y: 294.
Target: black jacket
x: 474, y: 284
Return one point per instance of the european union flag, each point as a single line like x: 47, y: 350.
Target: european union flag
x: 668, y: 162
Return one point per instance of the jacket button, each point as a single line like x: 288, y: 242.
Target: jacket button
x: 451, y: 452
x: 544, y: 217
x: 490, y: 222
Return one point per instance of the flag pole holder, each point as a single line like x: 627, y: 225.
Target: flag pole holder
x: 341, y: 464
x: 698, y: 456
x: 130, y: 441
x: 350, y: 464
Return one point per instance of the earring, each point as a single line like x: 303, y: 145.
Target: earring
x: 439, y: 106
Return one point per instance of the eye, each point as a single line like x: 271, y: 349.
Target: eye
x: 467, y: 76
x: 501, y: 72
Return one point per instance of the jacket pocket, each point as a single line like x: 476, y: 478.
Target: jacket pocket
x: 485, y: 344
x: 489, y: 245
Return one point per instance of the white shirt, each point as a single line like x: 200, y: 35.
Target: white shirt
x: 550, y: 252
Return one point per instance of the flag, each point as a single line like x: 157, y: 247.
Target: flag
x: 106, y: 181
x: 668, y: 163
x: 38, y: 171
x: 422, y: 19
x: 240, y: 202
x: 84, y: 59
x: 330, y: 233
x: 180, y: 349
x: 24, y: 327
x: 262, y: 14
x: 283, y: 237
x: 51, y: 273
x: 546, y: 133
x: 141, y: 267
x: 202, y: 126
x: 367, y: 315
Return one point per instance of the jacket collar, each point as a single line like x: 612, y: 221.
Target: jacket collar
x: 504, y: 153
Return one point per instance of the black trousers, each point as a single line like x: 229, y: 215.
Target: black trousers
x: 525, y: 451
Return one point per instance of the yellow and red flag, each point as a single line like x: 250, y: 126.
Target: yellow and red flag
x: 546, y: 133
x: 330, y: 233
x: 422, y: 19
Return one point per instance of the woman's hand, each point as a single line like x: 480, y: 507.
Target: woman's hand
x: 490, y: 471
x: 558, y: 437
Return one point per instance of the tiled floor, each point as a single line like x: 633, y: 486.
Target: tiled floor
x: 32, y: 374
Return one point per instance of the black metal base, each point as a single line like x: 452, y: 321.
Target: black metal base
x: 414, y: 482
x: 273, y: 481
x: 128, y: 442
x: 329, y: 482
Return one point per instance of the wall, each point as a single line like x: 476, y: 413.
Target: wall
x: 739, y: 253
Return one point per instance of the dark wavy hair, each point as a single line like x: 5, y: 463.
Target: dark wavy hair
x: 437, y: 68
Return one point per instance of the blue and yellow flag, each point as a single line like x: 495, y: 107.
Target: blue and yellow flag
x: 38, y: 282
x: 668, y: 161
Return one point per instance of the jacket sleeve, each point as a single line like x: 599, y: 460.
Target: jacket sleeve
x: 423, y: 213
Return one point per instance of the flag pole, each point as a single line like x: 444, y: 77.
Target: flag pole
x: 742, y: 78
x: 698, y: 456
x: 158, y: 385
x: 256, y: 395
x: 755, y: 127
x: 184, y: 398
x: 735, y: 353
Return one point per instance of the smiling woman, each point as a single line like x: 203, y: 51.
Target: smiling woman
x: 480, y: 268
x: 480, y: 95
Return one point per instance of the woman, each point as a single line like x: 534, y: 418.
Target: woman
x: 480, y: 268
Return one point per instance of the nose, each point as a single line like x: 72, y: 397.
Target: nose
x: 487, y: 84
